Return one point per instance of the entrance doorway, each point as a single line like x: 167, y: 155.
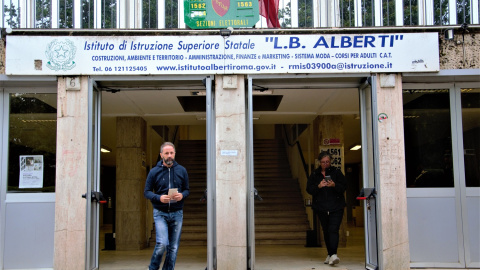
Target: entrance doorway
x: 165, y: 109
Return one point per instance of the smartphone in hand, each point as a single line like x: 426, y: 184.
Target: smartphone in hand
x: 328, y: 178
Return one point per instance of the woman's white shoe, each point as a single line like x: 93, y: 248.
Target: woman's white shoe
x: 327, y: 260
x: 334, y: 259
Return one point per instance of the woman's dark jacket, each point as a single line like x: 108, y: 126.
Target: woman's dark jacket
x: 160, y: 179
x: 327, y: 199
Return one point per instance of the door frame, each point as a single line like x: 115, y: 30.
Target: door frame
x: 93, y: 175
x: 459, y: 192
x: 92, y: 221
x: 250, y: 212
x: 370, y: 170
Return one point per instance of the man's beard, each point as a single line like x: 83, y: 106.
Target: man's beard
x: 168, y: 161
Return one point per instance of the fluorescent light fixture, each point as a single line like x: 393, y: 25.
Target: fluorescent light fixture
x: 203, y: 118
x: 355, y: 147
x: 254, y: 92
x: 105, y: 149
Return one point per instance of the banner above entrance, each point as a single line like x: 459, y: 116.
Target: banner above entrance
x: 235, y: 54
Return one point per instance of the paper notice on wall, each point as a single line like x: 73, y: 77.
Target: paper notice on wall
x: 31, y: 172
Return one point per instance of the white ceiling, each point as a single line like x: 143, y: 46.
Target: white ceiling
x: 303, y: 99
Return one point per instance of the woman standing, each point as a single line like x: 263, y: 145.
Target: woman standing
x: 327, y: 185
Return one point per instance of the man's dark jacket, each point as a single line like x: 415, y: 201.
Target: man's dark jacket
x: 160, y: 179
x: 327, y: 199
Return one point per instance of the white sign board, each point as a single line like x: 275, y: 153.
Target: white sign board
x: 236, y: 54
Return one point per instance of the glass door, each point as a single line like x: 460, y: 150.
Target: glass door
x: 93, y: 194
x: 441, y: 154
x: 28, y: 177
x: 211, y: 186
x: 369, y: 164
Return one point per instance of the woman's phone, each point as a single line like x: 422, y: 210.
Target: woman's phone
x: 328, y: 178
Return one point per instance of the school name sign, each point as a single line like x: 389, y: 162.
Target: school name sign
x: 246, y: 54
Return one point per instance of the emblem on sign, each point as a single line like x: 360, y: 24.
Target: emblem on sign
x: 60, y: 55
x: 221, y: 6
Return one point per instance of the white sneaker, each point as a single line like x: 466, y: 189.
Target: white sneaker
x: 327, y: 260
x: 334, y: 259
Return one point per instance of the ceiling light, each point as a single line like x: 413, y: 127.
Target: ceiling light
x: 105, y: 149
x: 355, y: 147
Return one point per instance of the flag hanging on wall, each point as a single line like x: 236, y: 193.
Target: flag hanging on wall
x: 269, y: 10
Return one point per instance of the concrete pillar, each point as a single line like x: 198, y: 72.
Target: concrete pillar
x: 131, y: 174
x: 231, y: 172
x: 392, y: 191
x: 71, y: 176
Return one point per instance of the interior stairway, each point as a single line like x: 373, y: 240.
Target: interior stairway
x: 280, y: 218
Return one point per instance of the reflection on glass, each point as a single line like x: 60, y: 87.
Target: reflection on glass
x: 471, y: 135
x: 32, y: 143
x: 428, y: 145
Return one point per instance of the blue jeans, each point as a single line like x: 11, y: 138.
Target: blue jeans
x: 168, y: 228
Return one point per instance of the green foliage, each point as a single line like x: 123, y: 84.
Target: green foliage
x: 285, y: 15
x: 87, y: 14
x: 43, y: 14
x: 109, y: 14
x: 463, y: 11
x: 149, y: 11
x: 11, y: 13
x: 65, y: 14
x: 347, y: 13
x: 171, y: 14
x: 305, y: 13
x: 410, y: 12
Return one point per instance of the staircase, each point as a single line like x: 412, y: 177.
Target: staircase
x: 280, y: 218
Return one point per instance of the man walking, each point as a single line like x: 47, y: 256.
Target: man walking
x: 167, y: 187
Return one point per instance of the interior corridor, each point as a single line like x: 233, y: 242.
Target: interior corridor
x: 286, y: 257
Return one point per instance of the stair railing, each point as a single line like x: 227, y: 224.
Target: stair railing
x: 175, y: 135
x: 299, y: 148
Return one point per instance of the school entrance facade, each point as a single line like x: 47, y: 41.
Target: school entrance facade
x: 415, y: 100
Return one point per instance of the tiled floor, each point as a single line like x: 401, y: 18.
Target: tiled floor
x: 267, y: 257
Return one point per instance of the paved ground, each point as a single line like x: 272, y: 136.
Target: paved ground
x: 288, y: 257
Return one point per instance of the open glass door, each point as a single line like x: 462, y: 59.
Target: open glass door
x: 369, y: 165
x: 250, y: 180
x: 211, y: 187
x: 93, y: 194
